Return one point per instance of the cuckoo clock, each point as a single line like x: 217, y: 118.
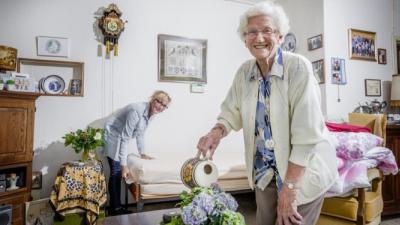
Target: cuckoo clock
x: 112, y: 26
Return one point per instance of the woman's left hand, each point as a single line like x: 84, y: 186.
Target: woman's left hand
x: 287, y: 207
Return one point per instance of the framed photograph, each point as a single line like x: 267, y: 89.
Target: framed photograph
x: 314, y: 42
x: 52, y: 46
x: 318, y: 68
x: 338, y: 71
x: 382, y: 56
x: 182, y: 59
x: 38, y: 212
x: 36, y: 180
x: 75, y: 87
x: 372, y: 87
x: 362, y: 44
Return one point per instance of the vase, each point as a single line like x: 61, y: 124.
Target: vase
x: 88, y: 156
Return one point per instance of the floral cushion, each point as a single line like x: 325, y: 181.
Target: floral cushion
x: 351, y: 145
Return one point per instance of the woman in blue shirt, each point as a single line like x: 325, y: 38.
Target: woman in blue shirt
x: 128, y: 123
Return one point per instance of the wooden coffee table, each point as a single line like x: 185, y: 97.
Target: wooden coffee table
x: 142, y: 218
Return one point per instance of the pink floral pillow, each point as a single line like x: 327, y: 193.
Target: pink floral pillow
x: 351, y: 145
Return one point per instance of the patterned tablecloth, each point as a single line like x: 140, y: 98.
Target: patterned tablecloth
x: 79, y: 187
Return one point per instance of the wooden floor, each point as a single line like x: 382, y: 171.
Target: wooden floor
x: 247, y: 207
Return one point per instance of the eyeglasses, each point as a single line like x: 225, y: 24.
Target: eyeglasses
x: 265, y: 33
x: 162, y: 104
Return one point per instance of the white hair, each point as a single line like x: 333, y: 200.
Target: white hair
x: 266, y: 8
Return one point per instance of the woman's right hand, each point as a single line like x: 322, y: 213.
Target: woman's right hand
x: 144, y: 156
x: 209, y: 143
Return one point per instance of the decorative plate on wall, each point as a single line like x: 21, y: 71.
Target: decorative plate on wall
x: 53, y: 84
x: 289, y: 43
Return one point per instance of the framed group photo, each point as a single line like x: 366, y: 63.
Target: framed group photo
x: 338, y: 71
x: 372, y: 87
x: 182, y: 59
x: 318, y: 68
x: 362, y: 45
x: 314, y: 42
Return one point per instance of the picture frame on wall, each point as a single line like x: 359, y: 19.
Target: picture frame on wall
x: 38, y: 212
x: 36, y: 180
x: 362, y: 45
x: 182, y: 59
x: 318, y: 68
x: 373, y: 87
x: 314, y: 42
x: 52, y: 46
x: 382, y: 56
x: 338, y: 71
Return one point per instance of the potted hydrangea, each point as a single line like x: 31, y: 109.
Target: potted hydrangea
x: 207, y: 206
x: 85, y: 140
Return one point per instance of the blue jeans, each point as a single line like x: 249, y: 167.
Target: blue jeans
x: 114, y: 184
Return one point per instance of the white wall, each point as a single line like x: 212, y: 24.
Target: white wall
x: 132, y: 76
x: 396, y: 10
x: 306, y: 20
x: 369, y: 15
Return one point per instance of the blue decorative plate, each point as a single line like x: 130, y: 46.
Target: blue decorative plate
x: 53, y: 84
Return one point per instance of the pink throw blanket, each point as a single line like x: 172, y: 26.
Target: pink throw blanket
x: 356, y: 152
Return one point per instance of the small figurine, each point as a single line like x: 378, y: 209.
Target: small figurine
x: 13, y: 181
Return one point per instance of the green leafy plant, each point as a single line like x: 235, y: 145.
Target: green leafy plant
x: 1, y: 81
x: 10, y: 82
x: 207, y: 206
x: 86, y: 140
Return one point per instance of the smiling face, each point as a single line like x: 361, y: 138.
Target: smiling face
x: 262, y: 38
x: 158, y: 105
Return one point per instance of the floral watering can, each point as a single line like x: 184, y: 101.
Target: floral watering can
x: 199, y: 172
x: 377, y: 107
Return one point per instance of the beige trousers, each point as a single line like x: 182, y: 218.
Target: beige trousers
x: 267, y: 206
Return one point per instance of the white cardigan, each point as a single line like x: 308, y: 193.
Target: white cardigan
x: 297, y: 123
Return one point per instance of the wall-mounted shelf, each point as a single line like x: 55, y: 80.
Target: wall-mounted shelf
x: 69, y: 71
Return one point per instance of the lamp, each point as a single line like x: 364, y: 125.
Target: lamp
x: 8, y: 58
x: 395, y: 93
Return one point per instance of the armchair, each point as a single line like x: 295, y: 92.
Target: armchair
x: 364, y: 206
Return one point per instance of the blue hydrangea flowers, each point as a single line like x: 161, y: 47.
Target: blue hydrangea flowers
x: 208, y: 206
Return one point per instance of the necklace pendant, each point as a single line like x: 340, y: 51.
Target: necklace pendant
x: 270, y: 144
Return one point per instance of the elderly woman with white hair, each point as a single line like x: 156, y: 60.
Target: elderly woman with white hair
x: 275, y: 99
x: 128, y: 123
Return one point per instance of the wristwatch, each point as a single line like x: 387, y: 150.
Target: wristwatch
x: 291, y: 185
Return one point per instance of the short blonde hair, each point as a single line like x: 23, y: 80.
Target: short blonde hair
x: 266, y: 8
x: 161, y: 96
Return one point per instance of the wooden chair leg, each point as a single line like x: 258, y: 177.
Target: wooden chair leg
x: 360, y: 211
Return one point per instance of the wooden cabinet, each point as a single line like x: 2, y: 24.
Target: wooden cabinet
x: 17, y: 115
x: 391, y: 184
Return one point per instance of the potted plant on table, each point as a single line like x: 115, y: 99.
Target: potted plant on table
x: 85, y: 140
x: 10, y: 85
